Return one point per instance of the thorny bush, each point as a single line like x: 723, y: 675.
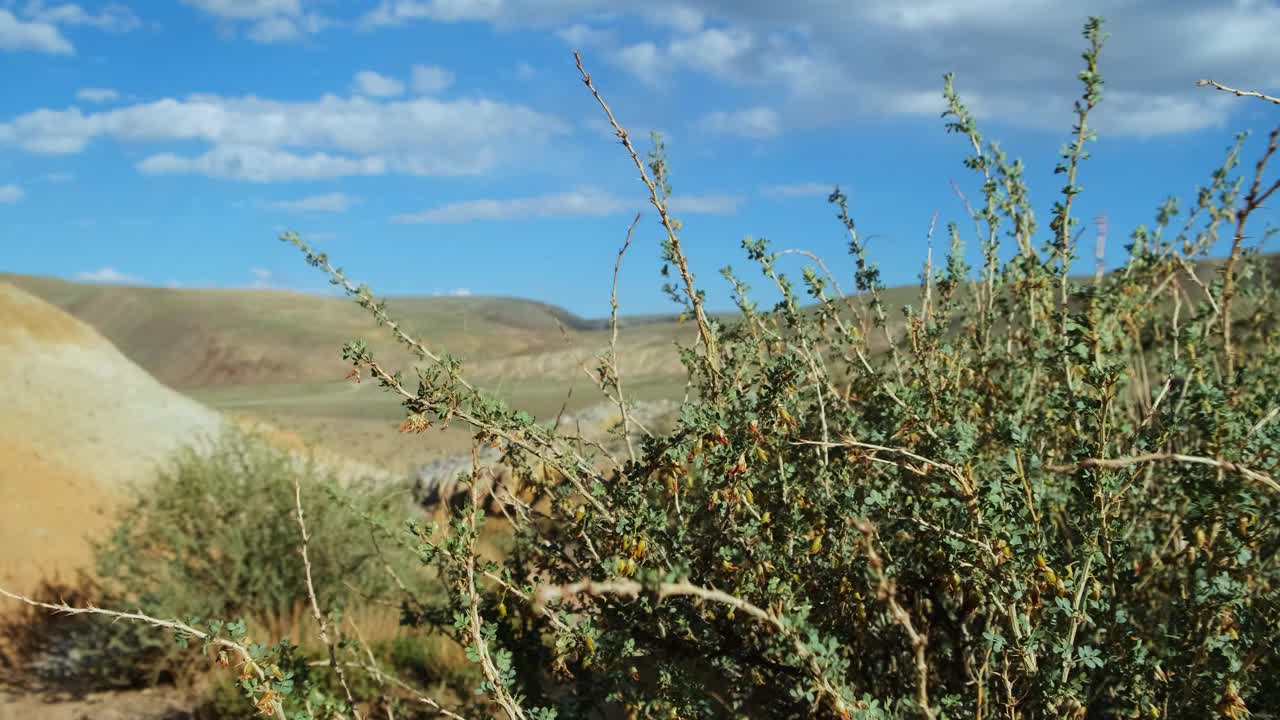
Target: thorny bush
x: 1032, y: 496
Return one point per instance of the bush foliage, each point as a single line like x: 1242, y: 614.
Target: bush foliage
x: 213, y: 536
x: 1031, y: 496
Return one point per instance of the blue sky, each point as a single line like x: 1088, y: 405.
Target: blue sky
x: 449, y: 146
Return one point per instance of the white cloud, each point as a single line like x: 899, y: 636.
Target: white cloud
x: 643, y: 60
x: 10, y: 194
x: 583, y: 36
x: 757, y: 123
x: 109, y: 276
x: 247, y: 9
x: 56, y: 177
x: 456, y: 292
x: 19, y: 35
x: 525, y: 71
x: 793, y: 190
x: 269, y: 21
x: 886, y: 57
x: 681, y: 17
x: 398, y: 12
x: 431, y: 79
x: 255, y: 164
x: 273, y: 30
x: 376, y: 85
x: 581, y: 202
x: 262, y: 279
x: 332, y: 202
x: 97, y: 95
x: 704, y: 204
x: 258, y: 139
x: 113, y: 17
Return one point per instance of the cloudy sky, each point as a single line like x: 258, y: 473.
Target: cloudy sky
x: 449, y: 146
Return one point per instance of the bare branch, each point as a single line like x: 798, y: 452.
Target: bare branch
x: 616, y: 375
x: 887, y: 592
x: 630, y: 588
x: 272, y: 702
x: 1237, y: 93
x: 315, y: 604
x: 704, y: 327
x: 1113, y: 463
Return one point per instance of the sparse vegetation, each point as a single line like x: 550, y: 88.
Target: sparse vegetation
x: 210, y: 538
x: 1043, y: 498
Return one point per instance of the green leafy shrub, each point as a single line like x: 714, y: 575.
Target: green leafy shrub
x: 214, y: 536
x: 1031, y: 496
x: 1047, y: 497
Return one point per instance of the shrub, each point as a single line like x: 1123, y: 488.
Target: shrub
x: 213, y: 536
x: 1034, y: 496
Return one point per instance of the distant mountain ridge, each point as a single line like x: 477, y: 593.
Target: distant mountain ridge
x: 204, y: 337
x: 194, y: 338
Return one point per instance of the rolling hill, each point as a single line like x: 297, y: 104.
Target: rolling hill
x: 206, y: 338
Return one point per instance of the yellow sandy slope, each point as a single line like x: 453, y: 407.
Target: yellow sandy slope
x: 77, y: 421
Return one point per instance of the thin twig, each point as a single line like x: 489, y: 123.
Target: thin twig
x: 887, y: 593
x: 1238, y: 93
x: 1122, y: 462
x: 276, y: 707
x: 500, y: 693
x: 377, y: 671
x: 315, y: 604
x: 704, y: 327
x: 1254, y: 200
x: 613, y: 343
x: 418, y: 695
x: 630, y: 588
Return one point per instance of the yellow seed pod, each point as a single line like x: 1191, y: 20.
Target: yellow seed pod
x: 1040, y: 561
x: 591, y: 645
x: 579, y: 514
x: 502, y: 609
x: 750, y: 496
x: 1201, y: 540
x: 764, y: 519
x: 815, y: 547
x: 641, y: 547
x: 762, y: 454
x: 1051, y: 576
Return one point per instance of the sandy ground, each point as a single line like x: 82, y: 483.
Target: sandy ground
x: 80, y: 421
x: 49, y: 512
x: 158, y: 704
